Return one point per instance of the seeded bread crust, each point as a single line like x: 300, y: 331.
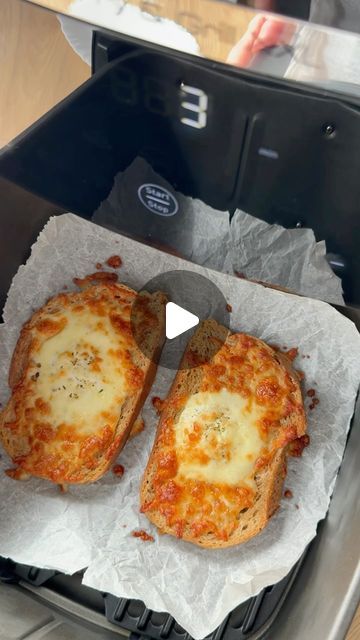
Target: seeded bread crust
x: 19, y: 446
x: 269, y: 479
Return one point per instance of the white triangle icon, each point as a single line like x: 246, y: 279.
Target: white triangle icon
x: 178, y: 320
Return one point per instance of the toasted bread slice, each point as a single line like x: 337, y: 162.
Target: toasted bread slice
x: 217, y: 467
x: 79, y: 380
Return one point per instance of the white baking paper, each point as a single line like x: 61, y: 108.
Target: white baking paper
x: 91, y: 525
x: 197, y: 232
x: 290, y: 258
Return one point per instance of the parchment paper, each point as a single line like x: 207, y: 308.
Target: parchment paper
x: 197, y: 232
x: 91, y: 525
x: 290, y: 258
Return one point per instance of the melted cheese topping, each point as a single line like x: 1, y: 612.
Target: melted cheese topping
x: 212, y: 444
x: 218, y: 438
x: 81, y: 371
x: 80, y: 377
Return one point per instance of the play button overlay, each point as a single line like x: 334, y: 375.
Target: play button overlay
x: 192, y: 298
x: 178, y: 320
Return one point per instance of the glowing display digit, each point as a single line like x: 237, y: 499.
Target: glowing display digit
x: 197, y: 116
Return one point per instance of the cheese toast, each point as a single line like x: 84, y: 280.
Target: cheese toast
x: 78, y: 381
x: 216, y: 470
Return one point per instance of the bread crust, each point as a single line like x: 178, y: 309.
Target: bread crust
x: 269, y: 478
x: 21, y: 445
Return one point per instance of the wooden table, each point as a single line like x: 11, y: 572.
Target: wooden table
x: 38, y: 69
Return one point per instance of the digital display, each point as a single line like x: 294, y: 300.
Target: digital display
x: 196, y: 107
x: 184, y: 119
x: 192, y: 103
x: 181, y: 116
